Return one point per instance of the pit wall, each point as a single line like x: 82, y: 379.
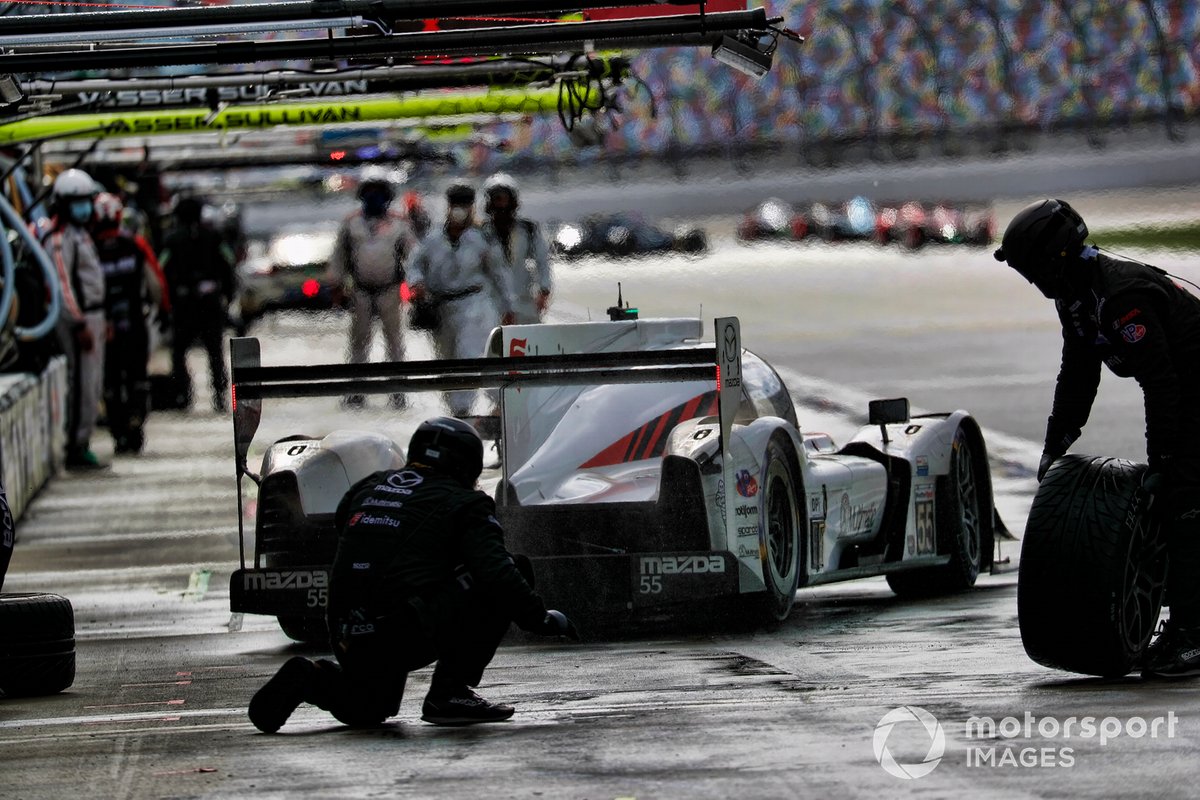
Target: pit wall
x: 32, y: 431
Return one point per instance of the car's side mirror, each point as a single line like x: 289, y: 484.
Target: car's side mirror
x: 888, y: 412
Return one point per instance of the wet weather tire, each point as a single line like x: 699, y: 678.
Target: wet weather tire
x: 963, y: 524
x: 1093, y: 567
x: 37, y: 644
x: 780, y: 532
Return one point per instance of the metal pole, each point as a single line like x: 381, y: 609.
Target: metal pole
x: 316, y: 9
x: 679, y: 30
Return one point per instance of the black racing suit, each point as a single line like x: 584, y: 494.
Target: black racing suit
x: 421, y: 575
x: 199, y: 270
x: 126, y: 258
x: 1140, y: 324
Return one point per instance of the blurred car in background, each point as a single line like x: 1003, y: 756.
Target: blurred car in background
x: 915, y: 224
x: 905, y: 224
x: 773, y: 220
x: 285, y: 272
x: 622, y: 235
x: 853, y: 220
x: 952, y: 224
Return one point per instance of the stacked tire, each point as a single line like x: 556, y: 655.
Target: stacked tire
x: 37, y: 644
x: 1093, y: 568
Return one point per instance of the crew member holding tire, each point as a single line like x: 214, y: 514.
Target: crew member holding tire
x: 421, y: 575
x: 1134, y: 319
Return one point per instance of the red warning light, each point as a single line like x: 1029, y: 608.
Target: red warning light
x: 311, y: 287
x: 337, y: 155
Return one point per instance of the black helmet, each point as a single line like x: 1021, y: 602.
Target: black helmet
x: 449, y: 445
x: 1042, y: 236
x: 460, y: 193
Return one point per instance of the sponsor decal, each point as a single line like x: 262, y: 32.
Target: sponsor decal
x: 682, y: 565
x: 745, y: 511
x: 405, y: 479
x: 1133, y: 333
x: 912, y: 430
x: 922, y: 465
x: 747, y: 484
x: 516, y: 348
x: 817, y: 545
x: 816, y: 504
x: 747, y: 530
x: 856, y: 519
x: 745, y: 551
x: 285, y: 579
x: 730, y: 358
x: 923, y: 491
x: 375, y: 501
x: 148, y: 98
x: 1125, y: 320
x: 371, y: 519
x: 361, y: 565
x: 702, y: 433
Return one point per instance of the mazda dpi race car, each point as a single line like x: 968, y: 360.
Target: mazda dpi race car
x: 644, y: 471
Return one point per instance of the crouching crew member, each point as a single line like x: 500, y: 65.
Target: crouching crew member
x: 421, y: 575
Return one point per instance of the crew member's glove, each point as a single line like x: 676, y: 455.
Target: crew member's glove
x: 1156, y: 479
x: 555, y: 623
x: 1044, y: 465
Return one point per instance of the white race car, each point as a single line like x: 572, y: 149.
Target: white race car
x: 644, y: 469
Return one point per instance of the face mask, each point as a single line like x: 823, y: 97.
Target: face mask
x: 80, y: 211
x: 459, y: 214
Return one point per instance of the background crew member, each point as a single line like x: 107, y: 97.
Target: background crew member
x: 525, y: 253
x: 131, y: 276
x: 463, y: 272
x: 1140, y: 324
x: 82, y: 324
x: 199, y: 270
x: 372, y: 244
x: 421, y: 575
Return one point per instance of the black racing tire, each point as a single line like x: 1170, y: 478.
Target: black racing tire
x: 781, y: 533
x: 963, y: 521
x: 309, y: 630
x: 1093, y: 568
x: 37, y: 644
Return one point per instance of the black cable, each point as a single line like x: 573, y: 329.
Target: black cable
x: 1144, y: 264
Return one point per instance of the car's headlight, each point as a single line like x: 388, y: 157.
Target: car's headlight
x: 569, y: 236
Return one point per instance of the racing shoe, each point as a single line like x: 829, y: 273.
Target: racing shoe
x: 1175, y: 653
x: 463, y: 707
x: 274, y: 702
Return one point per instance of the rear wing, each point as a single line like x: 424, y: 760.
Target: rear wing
x: 252, y: 382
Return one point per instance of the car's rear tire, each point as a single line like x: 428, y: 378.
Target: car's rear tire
x: 963, y: 524
x: 780, y: 532
x: 1093, y: 568
x: 37, y: 644
x: 309, y: 630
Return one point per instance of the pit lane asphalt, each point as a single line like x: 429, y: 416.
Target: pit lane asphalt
x: 144, y: 551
